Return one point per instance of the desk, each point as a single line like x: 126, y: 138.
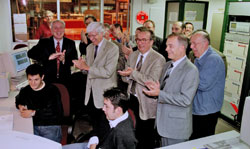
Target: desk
x: 7, y: 106
x: 199, y: 143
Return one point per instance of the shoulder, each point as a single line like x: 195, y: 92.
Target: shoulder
x: 156, y: 55
x: 65, y: 39
x: 214, y: 58
x: 109, y: 45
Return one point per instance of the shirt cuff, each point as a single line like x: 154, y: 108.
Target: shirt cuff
x: 93, y: 140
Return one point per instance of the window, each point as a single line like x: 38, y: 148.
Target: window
x: 71, y: 11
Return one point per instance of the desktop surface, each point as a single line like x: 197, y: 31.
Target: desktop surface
x: 224, y: 140
x: 7, y: 106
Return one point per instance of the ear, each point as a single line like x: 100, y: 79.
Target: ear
x: 119, y: 110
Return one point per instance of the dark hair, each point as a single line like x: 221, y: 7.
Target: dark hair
x: 106, y: 25
x: 92, y: 17
x: 204, y: 33
x: 117, y: 97
x: 144, y: 29
x: 34, y: 69
x: 190, y: 24
x: 153, y: 23
x: 182, y: 39
x: 118, y: 25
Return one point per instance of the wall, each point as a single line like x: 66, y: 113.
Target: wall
x: 155, y: 11
x: 5, y: 26
x: 215, y: 6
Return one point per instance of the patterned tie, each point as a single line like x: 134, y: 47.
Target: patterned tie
x: 96, y: 48
x: 138, y: 68
x: 57, y: 60
x: 167, y: 75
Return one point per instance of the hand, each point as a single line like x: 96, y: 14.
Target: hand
x: 81, y: 64
x: 127, y: 50
x: 83, y: 37
x: 54, y: 56
x: 26, y: 113
x: 93, y: 146
x: 126, y: 72
x: 62, y: 56
x: 153, y: 88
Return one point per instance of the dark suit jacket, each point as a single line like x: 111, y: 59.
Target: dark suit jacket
x: 44, y: 49
x: 122, y: 136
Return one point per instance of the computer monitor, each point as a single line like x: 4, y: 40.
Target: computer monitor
x: 15, y: 62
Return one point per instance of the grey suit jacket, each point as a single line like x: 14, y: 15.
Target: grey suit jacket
x: 151, y: 70
x: 102, y: 73
x: 174, y: 108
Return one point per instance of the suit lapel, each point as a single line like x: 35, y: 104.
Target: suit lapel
x: 134, y: 59
x: 147, y: 61
x: 176, y: 72
x: 51, y: 47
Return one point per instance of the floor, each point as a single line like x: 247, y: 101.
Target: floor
x: 82, y: 126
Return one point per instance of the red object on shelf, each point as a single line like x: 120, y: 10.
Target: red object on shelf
x: 141, y: 17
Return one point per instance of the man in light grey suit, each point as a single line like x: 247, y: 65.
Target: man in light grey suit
x: 101, y: 62
x: 143, y: 65
x: 175, y: 91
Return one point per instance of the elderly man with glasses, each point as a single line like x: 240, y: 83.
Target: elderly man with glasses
x: 100, y: 64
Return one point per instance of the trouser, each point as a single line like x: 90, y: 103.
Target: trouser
x: 52, y: 132
x: 170, y: 141
x: 98, y: 118
x: 144, y: 130
x: 204, y: 125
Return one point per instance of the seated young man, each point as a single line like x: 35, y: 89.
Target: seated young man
x: 42, y: 102
x: 121, y: 134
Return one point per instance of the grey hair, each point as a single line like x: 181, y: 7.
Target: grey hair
x: 48, y: 12
x: 95, y: 26
x: 61, y: 21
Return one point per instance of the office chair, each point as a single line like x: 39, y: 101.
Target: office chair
x: 68, y: 120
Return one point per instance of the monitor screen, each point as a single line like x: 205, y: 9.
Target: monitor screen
x: 21, y: 60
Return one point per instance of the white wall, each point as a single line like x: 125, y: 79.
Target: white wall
x: 215, y: 6
x: 155, y: 11
x: 5, y: 26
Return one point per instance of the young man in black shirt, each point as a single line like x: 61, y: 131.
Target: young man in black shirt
x: 42, y: 102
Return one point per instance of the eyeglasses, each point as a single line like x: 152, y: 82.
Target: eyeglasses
x: 91, y: 36
x: 142, y: 40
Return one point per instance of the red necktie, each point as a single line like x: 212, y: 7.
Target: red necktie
x: 58, y: 60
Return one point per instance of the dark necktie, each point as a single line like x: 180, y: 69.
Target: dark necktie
x: 57, y: 60
x: 138, y: 68
x: 166, y: 75
x: 96, y: 48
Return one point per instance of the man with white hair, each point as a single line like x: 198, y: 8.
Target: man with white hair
x: 55, y: 54
x: 101, y: 62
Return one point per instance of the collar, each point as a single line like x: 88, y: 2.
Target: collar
x: 178, y: 61
x: 203, y: 54
x: 41, y: 87
x: 144, y: 56
x: 202, y: 59
x: 114, y: 123
x: 55, y: 43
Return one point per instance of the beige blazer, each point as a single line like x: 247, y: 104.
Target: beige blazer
x: 102, y: 73
x: 151, y: 70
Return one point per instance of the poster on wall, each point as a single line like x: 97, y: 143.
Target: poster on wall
x: 20, y: 27
x: 190, y: 15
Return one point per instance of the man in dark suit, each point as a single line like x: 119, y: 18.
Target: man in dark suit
x: 157, y: 41
x: 55, y: 54
x: 85, y: 41
x: 121, y: 133
x: 175, y: 92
